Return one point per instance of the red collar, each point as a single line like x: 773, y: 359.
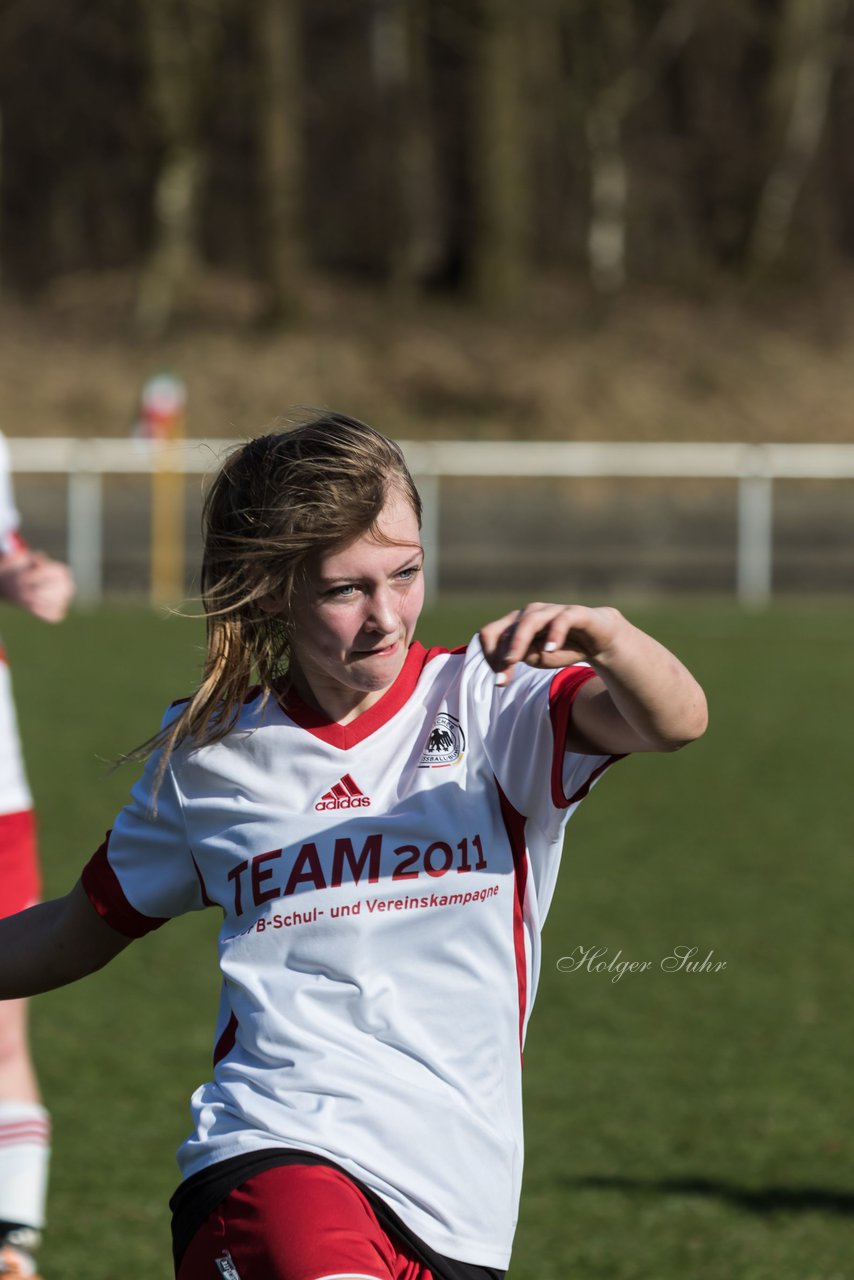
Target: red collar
x: 349, y: 735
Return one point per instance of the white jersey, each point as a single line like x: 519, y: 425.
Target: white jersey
x: 9, y: 518
x: 383, y: 886
x: 14, y: 793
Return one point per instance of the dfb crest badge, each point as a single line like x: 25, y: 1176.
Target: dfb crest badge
x: 445, y: 745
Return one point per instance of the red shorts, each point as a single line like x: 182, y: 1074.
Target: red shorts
x: 297, y: 1222
x: 20, y: 883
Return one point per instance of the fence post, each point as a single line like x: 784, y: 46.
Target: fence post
x: 85, y: 541
x: 755, y: 530
x: 167, y: 525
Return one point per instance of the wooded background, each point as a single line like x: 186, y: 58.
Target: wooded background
x: 468, y: 146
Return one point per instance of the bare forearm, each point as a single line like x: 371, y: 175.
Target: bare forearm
x: 644, y: 700
x: 53, y: 944
x: 653, y: 692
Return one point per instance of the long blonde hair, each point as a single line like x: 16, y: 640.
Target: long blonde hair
x: 276, y: 504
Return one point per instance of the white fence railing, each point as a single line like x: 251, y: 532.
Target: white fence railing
x: 754, y: 468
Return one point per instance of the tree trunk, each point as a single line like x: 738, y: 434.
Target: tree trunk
x: 500, y: 265
x: 280, y: 116
x: 402, y: 73
x: 609, y: 185
x: 809, y: 48
x: 551, y: 219
x: 172, y: 258
x: 2, y: 177
x: 631, y: 66
x: 180, y: 41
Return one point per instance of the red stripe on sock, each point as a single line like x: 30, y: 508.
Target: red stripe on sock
x: 26, y: 1137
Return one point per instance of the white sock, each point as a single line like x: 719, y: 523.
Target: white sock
x: 24, y: 1158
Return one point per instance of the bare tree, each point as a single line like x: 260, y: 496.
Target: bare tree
x: 278, y: 55
x: 469, y: 140
x: 624, y: 70
x: 501, y: 177
x: 2, y: 149
x: 401, y: 67
x: 181, y: 39
x: 810, y: 40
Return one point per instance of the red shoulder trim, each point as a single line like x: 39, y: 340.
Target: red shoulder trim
x: 437, y: 651
x: 206, y: 898
x: 226, y: 1042
x: 514, y: 824
x: 104, y: 891
x: 562, y: 693
x: 597, y: 772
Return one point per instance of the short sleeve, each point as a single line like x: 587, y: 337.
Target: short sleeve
x: 524, y: 726
x: 144, y: 872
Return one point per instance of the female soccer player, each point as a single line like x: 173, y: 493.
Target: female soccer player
x: 42, y: 587
x: 381, y: 827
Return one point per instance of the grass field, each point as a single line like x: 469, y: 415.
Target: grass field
x: 680, y: 1126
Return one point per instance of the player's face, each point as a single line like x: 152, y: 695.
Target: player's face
x: 355, y: 619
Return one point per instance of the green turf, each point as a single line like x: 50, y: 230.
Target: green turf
x: 693, y: 1126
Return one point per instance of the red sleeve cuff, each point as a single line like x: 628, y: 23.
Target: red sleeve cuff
x: 562, y: 695
x: 102, y: 887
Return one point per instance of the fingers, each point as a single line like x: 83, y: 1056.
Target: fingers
x: 495, y: 638
x: 525, y: 640
x: 44, y: 588
x: 538, y: 635
x: 54, y: 594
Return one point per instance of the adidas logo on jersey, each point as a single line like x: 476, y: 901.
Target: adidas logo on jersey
x: 346, y: 794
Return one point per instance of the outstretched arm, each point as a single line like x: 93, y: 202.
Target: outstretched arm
x: 53, y: 944
x: 644, y: 698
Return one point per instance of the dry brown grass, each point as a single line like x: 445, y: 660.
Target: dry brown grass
x: 721, y: 368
